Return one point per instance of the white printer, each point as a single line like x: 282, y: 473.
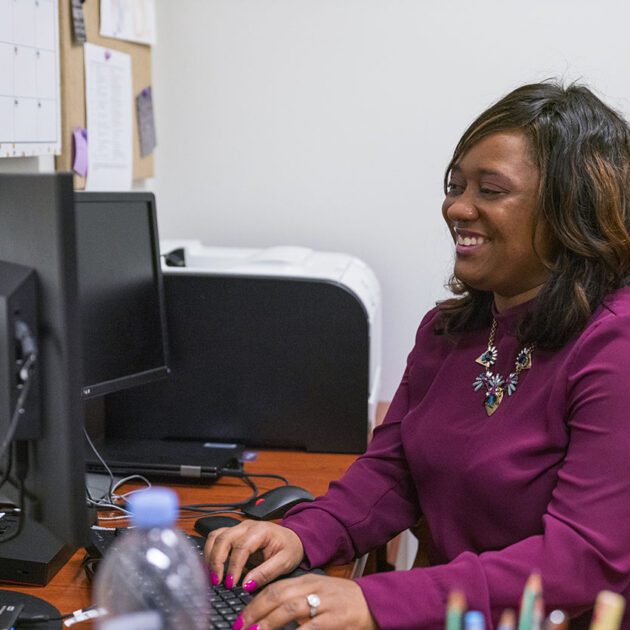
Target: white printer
x: 275, y: 347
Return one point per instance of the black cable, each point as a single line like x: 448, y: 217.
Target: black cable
x: 239, y: 473
x: 234, y: 505
x: 17, y: 414
x: 7, y: 471
x: 35, y: 619
x: 21, y: 461
x: 208, y: 508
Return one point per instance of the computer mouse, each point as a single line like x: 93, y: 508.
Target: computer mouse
x: 275, y: 502
x: 207, y: 524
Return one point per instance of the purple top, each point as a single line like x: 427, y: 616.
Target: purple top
x: 544, y: 483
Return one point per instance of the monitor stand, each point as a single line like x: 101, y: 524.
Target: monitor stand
x: 33, y: 557
x: 31, y: 606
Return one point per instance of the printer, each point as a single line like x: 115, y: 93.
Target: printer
x: 276, y: 348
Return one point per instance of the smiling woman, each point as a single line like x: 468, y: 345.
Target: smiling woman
x: 509, y: 433
x: 491, y: 208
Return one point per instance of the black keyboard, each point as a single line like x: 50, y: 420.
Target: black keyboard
x: 227, y: 603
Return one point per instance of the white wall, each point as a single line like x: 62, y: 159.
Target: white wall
x: 328, y: 123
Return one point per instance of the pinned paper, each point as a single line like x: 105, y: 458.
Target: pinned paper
x: 109, y: 113
x: 80, y: 163
x: 146, y: 121
x: 133, y: 20
x: 78, y: 22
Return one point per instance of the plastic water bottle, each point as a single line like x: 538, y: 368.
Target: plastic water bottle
x: 153, y: 579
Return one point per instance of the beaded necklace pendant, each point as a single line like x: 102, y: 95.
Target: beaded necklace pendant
x: 495, y: 385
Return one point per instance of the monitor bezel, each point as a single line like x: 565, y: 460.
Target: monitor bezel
x: 93, y: 390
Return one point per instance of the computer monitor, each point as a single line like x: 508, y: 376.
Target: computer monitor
x: 38, y: 232
x: 121, y: 297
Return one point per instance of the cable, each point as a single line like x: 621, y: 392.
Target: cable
x: 7, y: 470
x: 107, y: 468
x: 18, y: 412
x: 228, y: 472
x: 21, y: 460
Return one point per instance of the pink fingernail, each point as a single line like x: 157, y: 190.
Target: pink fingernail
x: 214, y: 578
x: 229, y: 581
x: 250, y: 586
x: 238, y: 623
x: 254, y: 627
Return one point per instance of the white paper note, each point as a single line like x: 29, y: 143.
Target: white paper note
x: 133, y: 20
x: 108, y: 102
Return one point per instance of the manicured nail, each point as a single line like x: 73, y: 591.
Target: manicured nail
x: 254, y: 627
x: 214, y: 578
x: 229, y: 581
x: 238, y: 623
x: 250, y: 586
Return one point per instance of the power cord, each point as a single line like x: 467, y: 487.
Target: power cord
x: 20, y: 455
x: 18, y: 412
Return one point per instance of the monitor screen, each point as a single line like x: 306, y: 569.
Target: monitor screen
x: 123, y: 325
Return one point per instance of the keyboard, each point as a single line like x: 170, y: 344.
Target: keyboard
x: 226, y: 603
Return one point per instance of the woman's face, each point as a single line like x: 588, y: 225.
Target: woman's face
x: 490, y: 206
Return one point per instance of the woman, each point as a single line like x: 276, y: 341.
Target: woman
x: 510, y: 431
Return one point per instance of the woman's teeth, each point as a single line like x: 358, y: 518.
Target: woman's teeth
x: 469, y: 240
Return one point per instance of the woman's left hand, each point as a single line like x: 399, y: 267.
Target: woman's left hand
x: 342, y: 605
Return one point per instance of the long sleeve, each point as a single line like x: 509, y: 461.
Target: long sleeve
x: 584, y: 545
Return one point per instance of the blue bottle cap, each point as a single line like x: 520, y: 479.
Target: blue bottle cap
x: 156, y: 507
x: 474, y: 620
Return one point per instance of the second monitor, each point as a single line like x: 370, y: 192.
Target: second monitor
x: 123, y: 326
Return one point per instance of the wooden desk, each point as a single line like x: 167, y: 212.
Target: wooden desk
x: 70, y: 589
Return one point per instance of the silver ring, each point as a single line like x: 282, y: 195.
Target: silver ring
x: 313, y: 602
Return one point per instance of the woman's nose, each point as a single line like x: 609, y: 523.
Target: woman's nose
x: 460, y: 208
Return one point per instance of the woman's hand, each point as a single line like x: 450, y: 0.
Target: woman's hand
x: 281, y: 549
x: 342, y: 605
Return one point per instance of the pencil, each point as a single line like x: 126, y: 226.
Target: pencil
x: 455, y: 606
x: 608, y: 611
x: 557, y: 620
x: 474, y: 620
x: 538, y: 615
x: 532, y: 591
x: 507, y: 620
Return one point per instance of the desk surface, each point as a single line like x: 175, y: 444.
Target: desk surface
x: 70, y: 589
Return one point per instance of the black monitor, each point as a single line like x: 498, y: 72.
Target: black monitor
x: 123, y: 322
x: 37, y: 232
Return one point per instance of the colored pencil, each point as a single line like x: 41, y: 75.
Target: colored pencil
x: 608, y: 611
x: 507, y: 620
x: 455, y: 607
x: 532, y: 591
x: 557, y: 620
x: 474, y: 620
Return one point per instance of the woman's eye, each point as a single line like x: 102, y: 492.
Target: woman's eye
x: 454, y: 189
x: 489, y: 191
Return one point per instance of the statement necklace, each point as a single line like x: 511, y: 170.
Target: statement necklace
x: 494, y: 384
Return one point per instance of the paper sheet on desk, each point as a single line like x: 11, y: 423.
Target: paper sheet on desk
x: 108, y: 103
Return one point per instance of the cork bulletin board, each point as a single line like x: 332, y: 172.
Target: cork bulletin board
x: 73, y: 84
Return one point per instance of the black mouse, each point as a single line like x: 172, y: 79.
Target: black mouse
x: 207, y: 524
x: 274, y: 503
